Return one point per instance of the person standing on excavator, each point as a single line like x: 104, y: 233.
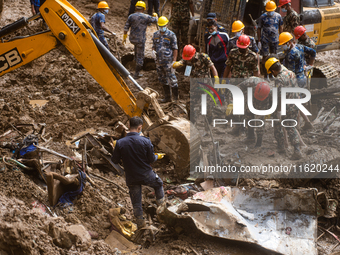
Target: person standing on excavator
x: 137, y: 154
x: 97, y: 21
x: 164, y: 51
x: 138, y: 23
x: 269, y: 29
x: 292, y: 19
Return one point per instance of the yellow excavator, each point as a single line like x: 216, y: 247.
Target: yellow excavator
x: 70, y: 28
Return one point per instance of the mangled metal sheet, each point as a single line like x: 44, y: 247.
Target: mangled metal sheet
x: 281, y: 220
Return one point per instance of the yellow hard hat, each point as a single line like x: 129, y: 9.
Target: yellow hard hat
x: 270, y: 6
x: 140, y: 4
x: 269, y: 63
x: 162, y: 21
x: 237, y: 26
x: 103, y: 5
x: 285, y: 37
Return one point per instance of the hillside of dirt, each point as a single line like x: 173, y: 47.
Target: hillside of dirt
x: 56, y: 90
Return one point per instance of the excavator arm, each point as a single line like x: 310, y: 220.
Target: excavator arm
x: 68, y: 27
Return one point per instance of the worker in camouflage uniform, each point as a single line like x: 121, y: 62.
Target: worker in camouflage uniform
x: 292, y: 19
x: 269, y: 28
x: 180, y: 17
x: 238, y: 29
x: 262, y: 100
x: 242, y: 60
x: 165, y: 50
x: 304, y: 39
x: 212, y: 19
x: 295, y: 57
x: 138, y: 22
x: 285, y: 78
x: 198, y: 65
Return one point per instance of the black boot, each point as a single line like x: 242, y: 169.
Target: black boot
x: 250, y: 135
x: 137, y: 73
x: 167, y: 94
x: 258, y: 142
x: 175, y: 96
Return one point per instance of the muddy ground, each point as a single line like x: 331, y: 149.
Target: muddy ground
x: 76, y: 103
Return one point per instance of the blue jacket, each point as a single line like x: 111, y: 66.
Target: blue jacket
x: 137, y: 154
x: 217, y: 47
x: 95, y: 22
x: 138, y: 23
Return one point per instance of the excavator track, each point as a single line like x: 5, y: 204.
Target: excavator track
x: 328, y: 73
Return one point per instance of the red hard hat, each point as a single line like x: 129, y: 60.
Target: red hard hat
x: 188, y: 52
x: 283, y: 2
x: 262, y: 91
x: 243, y: 42
x: 299, y: 31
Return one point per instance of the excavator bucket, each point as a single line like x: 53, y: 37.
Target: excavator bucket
x: 181, y: 144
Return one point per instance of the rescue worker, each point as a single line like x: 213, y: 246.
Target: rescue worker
x: 35, y: 5
x: 165, y: 50
x: 304, y: 39
x: 292, y: 19
x: 153, y: 5
x: 295, y: 57
x: 216, y: 48
x: 180, y: 17
x: 137, y: 154
x: 211, y: 18
x: 238, y: 29
x: 138, y: 23
x: 285, y: 78
x: 98, y: 22
x: 200, y: 63
x: 242, y: 62
x: 262, y: 100
x: 269, y: 28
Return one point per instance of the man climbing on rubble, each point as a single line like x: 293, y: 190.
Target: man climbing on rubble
x: 285, y: 78
x: 292, y: 19
x: 138, y: 23
x: 216, y: 47
x: 269, y: 28
x: 98, y: 22
x: 165, y: 50
x: 137, y: 154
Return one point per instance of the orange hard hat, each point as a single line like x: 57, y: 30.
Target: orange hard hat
x: 270, y: 6
x: 262, y: 91
x: 188, y: 52
x: 283, y: 2
x: 299, y: 31
x: 243, y: 42
x: 103, y: 5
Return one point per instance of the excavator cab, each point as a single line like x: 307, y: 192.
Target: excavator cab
x: 70, y: 28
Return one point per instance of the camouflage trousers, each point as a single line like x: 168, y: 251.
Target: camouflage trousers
x: 259, y: 130
x: 166, y: 75
x: 139, y: 53
x: 292, y: 113
x: 268, y: 47
x: 181, y: 28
